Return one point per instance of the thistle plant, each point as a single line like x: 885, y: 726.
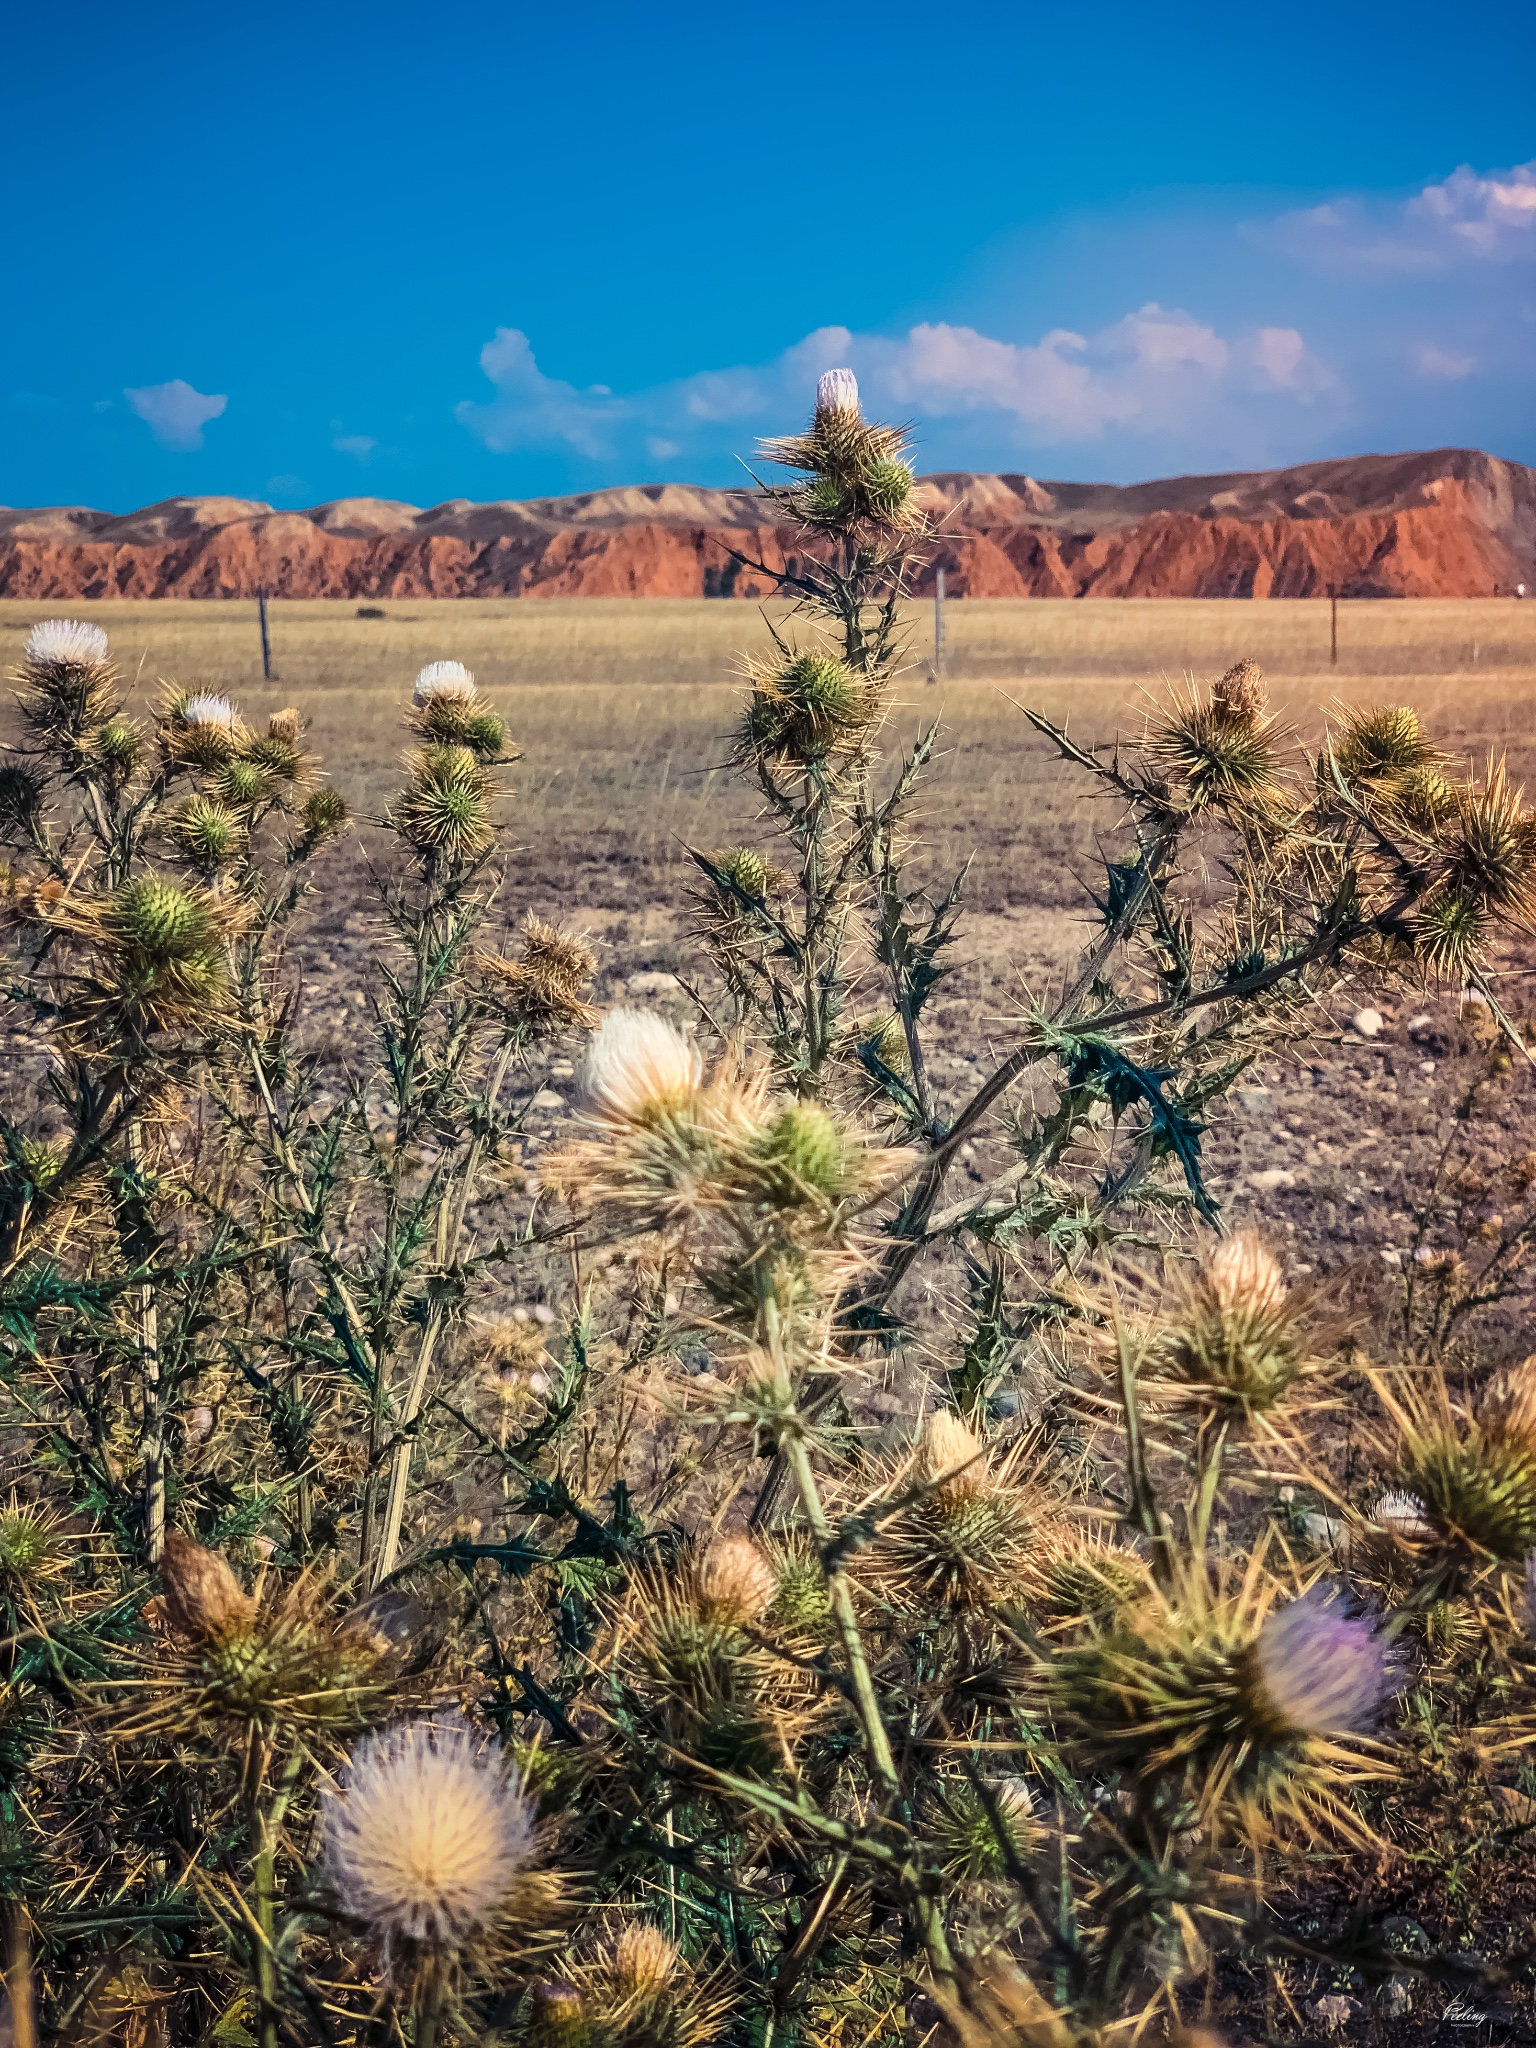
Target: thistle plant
x: 462, y: 1589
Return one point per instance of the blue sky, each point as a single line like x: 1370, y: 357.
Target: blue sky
x: 500, y: 251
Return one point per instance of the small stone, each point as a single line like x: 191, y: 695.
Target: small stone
x: 1257, y: 1101
x: 1367, y: 1022
x: 1394, y: 2001
x: 1336, y: 2012
x: 547, y: 1099
x: 652, y: 984
x: 1391, y: 1256
x: 1517, y: 1808
x: 543, y: 1313
x: 1420, y: 1023
x: 1426, y: 1066
x: 1272, y: 1180
x: 1323, y: 1532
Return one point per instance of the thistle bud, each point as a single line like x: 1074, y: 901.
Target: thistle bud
x: 645, y: 1961
x: 203, y: 1598
x: 324, y: 815
x: 803, y: 1154
x: 837, y: 391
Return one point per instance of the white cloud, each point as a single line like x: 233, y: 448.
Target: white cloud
x: 1152, y: 373
x: 175, y: 413
x: 531, y: 410
x: 1445, y: 363
x: 1463, y: 218
x: 359, y: 445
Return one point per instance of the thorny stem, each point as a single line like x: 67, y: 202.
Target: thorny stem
x: 152, y: 1441
x: 876, y: 1740
x: 450, y: 1224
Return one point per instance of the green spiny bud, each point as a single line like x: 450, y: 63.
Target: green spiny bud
x: 325, y: 813
x: 805, y: 1145
x: 276, y: 756
x: 887, y: 488
x: 206, y: 831
x: 485, y: 734
x: 159, y: 919
x: 244, y: 782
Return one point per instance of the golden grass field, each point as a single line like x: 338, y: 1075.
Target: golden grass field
x: 621, y: 707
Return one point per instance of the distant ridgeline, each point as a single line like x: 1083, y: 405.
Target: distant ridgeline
x: 1453, y: 523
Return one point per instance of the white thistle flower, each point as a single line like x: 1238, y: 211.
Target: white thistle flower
x: 443, y: 679
x: 638, y: 1062
x: 207, y: 710
x: 1402, y: 1514
x: 67, y: 640
x: 837, y: 391
x: 426, y: 1834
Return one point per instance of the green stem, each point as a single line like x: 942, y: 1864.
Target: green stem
x: 876, y: 1740
x: 267, y: 1825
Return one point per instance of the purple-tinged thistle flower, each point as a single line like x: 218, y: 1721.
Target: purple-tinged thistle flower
x: 837, y: 391
x: 1321, y: 1666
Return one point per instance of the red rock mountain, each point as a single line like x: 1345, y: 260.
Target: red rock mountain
x: 1454, y: 523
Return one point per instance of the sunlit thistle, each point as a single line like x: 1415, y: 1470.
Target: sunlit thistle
x: 66, y: 643
x: 426, y: 1835
x: 1210, y: 754
x: 1232, y: 1339
x: 1222, y: 1709
x: 734, y: 1581
x: 837, y: 391
x: 444, y: 680
x: 640, y: 1067
x: 207, y: 709
x: 972, y: 1537
x: 444, y: 812
x: 1240, y: 697
x: 1381, y: 743
x: 33, y: 1547
x: 808, y: 707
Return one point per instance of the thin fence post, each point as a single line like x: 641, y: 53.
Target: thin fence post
x: 1333, y: 630
x: 266, y: 638
x: 938, y: 624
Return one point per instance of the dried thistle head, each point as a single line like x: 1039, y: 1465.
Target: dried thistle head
x: 288, y: 1663
x: 1488, y: 852
x: 807, y: 707
x: 541, y: 993
x: 426, y: 1837
x: 1240, y: 697
x: 734, y: 1581
x: 693, y: 1677
x: 640, y: 1993
x: 204, y: 1601
x: 1233, y: 1340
